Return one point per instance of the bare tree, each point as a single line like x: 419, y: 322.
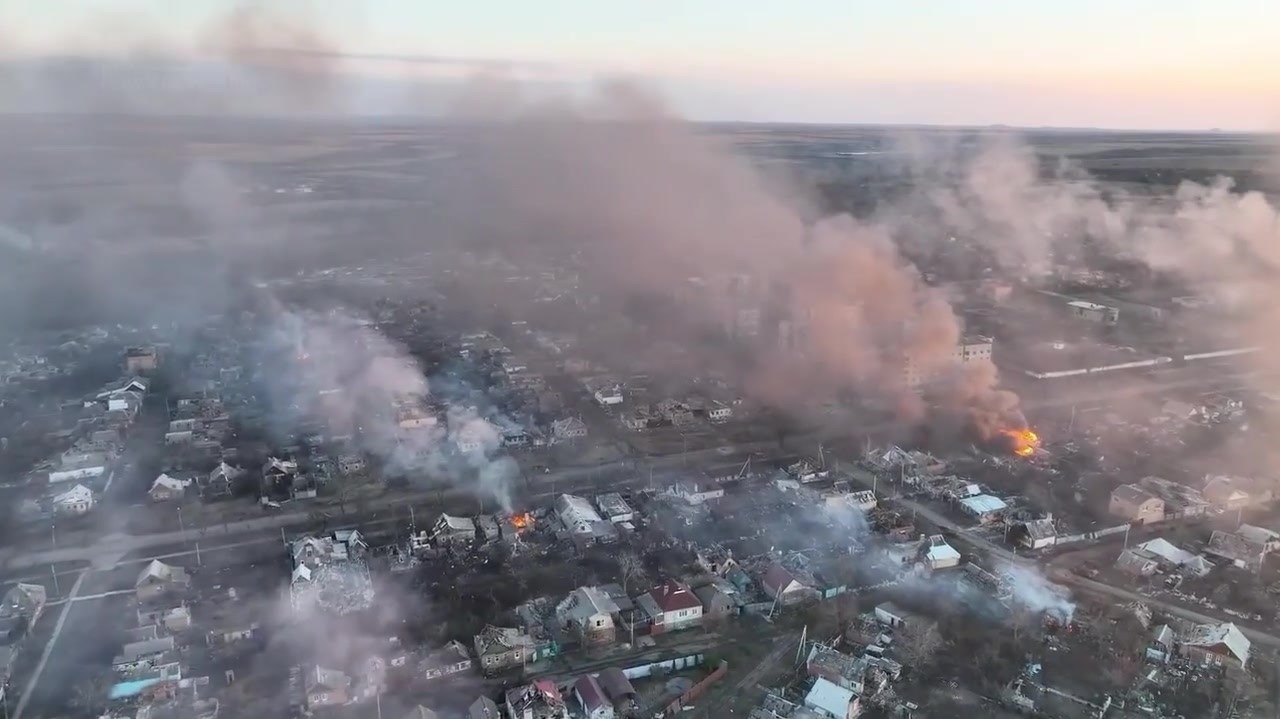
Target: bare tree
x: 632, y: 570
x: 918, y: 644
x: 90, y: 694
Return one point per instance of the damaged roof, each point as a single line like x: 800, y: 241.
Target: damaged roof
x: 1225, y: 635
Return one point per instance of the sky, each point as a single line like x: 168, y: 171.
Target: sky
x: 1154, y: 64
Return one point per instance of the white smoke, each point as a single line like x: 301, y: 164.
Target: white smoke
x: 1034, y: 592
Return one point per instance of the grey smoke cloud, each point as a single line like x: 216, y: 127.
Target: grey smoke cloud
x: 645, y: 204
x: 332, y: 372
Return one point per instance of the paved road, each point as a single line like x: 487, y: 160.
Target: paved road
x: 107, y: 550
x: 1063, y: 576
x: 28, y: 690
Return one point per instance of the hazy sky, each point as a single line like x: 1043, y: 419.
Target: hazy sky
x: 1113, y: 63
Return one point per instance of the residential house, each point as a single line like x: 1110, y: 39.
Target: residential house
x: 231, y: 634
x: 695, y: 492
x: 591, y: 698
x: 1266, y: 538
x: 221, y: 482
x: 1216, y: 644
x: 20, y: 609
x: 614, y: 508
x: 609, y: 396
x: 278, y: 477
x: 516, y: 437
x: 806, y: 470
x: 1160, y: 650
x: 1171, y: 556
x: 1134, y: 503
x: 138, y: 360
x: 159, y: 579
x: 1227, y: 493
x: 568, y: 429
x: 502, y: 648
x: 450, y: 659
x: 671, y: 606
x: 984, y: 507
x: 937, y: 554
x: 1137, y: 562
x: 841, y: 669
x: 539, y: 700
x: 1237, y: 550
x: 782, y: 585
x: 147, y: 656
x: 350, y: 463
x: 166, y: 488
x: 718, y: 600
x: 74, y: 502
x: 454, y: 530
x: 589, y: 611
x: 617, y: 688
x: 719, y: 412
x: 1179, y: 499
x: 577, y: 514
x: 483, y: 708
x: 891, y: 615
x: 831, y: 700
x: 326, y: 688
x: 864, y: 500
x: 1038, y: 534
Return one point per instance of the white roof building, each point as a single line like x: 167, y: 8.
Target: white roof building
x: 1167, y: 551
x: 164, y: 481
x: 829, y: 699
x: 77, y: 500
x: 576, y: 513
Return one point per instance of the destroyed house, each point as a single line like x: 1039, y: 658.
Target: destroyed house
x: 1137, y: 562
x: 614, y: 508
x: 806, y: 470
x: 1237, y: 550
x: 836, y: 667
x: 1225, y: 492
x: 1179, y: 500
x: 501, y: 648
x: 326, y: 688
x: 454, y: 530
x: 1216, y: 644
x: 539, y: 700
x: 1038, y: 534
x: 1134, y: 503
x: 22, y: 607
x: 450, y: 659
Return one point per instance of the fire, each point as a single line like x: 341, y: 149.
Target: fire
x: 1025, y: 441
x: 523, y: 520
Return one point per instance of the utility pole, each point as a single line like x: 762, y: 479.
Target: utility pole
x: 199, y: 562
x: 53, y: 532
x: 54, y: 571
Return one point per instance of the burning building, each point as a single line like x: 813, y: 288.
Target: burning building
x: 1022, y: 442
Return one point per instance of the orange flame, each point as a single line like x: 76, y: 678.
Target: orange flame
x: 1025, y: 441
x: 524, y: 520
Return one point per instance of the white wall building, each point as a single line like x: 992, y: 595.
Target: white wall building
x: 576, y: 513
